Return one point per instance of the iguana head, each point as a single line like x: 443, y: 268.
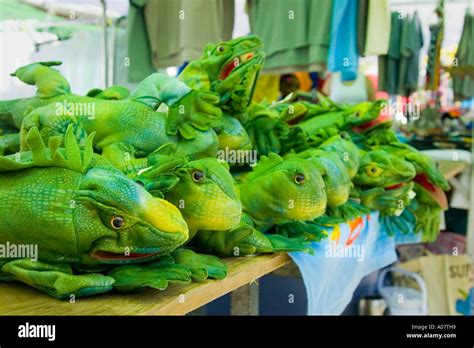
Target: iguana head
x: 206, y: 195
x: 202, y: 189
x: 365, y: 115
x: 290, y: 189
x: 84, y: 210
x: 229, y: 69
x: 118, y: 221
x: 381, y: 169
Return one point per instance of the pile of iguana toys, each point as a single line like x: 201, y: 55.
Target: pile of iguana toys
x: 127, y: 191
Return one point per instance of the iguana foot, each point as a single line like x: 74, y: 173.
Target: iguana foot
x: 157, y: 275
x: 348, y: 211
x: 308, y: 231
x: 57, y: 281
x: 201, y: 266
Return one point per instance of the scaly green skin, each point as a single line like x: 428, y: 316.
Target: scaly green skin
x: 312, y: 124
x: 231, y: 69
x: 128, y: 145
x: 337, y: 183
x: 379, y: 171
x: 205, y: 193
x: 83, y: 215
x: 424, y: 210
x: 265, y: 206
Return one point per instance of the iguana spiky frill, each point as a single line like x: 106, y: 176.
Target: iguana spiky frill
x: 127, y: 129
x: 83, y: 215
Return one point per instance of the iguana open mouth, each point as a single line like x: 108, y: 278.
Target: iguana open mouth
x: 382, y: 118
x: 394, y: 187
x: 435, y: 192
x: 109, y: 256
x: 235, y: 62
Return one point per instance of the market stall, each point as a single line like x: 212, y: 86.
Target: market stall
x: 157, y: 155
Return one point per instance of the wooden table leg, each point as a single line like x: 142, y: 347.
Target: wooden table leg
x: 245, y: 300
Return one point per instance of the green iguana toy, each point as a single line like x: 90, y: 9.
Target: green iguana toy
x: 231, y: 69
x: 85, y: 217
x: 385, y: 183
x: 127, y: 129
x: 276, y: 191
x: 205, y: 193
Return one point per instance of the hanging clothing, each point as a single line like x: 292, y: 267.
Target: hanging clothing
x: 178, y: 30
x: 281, y: 24
x: 319, y: 30
x: 342, y: 54
x: 389, y: 64
x: 411, y: 42
x: 164, y: 33
x: 139, y: 53
x: 295, y: 35
x: 434, y: 51
x: 362, y: 12
x: 463, y: 82
x: 378, y: 27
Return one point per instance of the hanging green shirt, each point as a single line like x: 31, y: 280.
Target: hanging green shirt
x: 463, y: 85
x: 411, y: 42
x: 178, y: 30
x: 389, y: 64
x: 282, y: 25
x: 139, y: 53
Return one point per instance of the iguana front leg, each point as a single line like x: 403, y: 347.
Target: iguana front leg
x: 122, y: 156
x: 347, y: 211
x: 57, y: 280
x: 243, y: 241
x: 189, y: 111
x: 201, y: 266
x: 157, y: 275
x: 390, y: 202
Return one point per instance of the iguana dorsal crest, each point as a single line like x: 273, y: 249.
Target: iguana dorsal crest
x: 265, y: 165
x: 72, y: 157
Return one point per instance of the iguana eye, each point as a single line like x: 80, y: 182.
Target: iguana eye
x: 299, y: 178
x: 117, y: 222
x: 345, y: 135
x: 220, y: 49
x: 373, y: 171
x: 198, y: 175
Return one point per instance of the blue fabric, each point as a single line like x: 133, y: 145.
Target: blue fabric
x: 331, y: 280
x: 409, y: 238
x: 342, y: 55
x: 466, y: 307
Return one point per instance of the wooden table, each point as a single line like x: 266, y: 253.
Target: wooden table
x: 178, y: 299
